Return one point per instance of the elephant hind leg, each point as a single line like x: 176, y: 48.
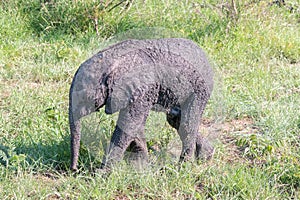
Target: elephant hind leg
x: 204, y: 150
x: 192, y: 141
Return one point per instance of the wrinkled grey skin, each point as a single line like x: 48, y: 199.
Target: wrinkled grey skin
x: 134, y: 77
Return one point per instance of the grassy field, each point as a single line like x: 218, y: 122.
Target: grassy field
x: 253, y: 118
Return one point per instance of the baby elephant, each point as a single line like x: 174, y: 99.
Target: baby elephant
x: 136, y: 76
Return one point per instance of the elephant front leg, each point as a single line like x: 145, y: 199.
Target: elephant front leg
x: 128, y: 133
x: 138, y: 152
x: 119, y: 142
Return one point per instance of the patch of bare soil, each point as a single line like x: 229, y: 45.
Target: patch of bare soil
x: 224, y: 135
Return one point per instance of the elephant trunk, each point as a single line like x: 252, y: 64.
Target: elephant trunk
x: 75, y: 145
x: 75, y: 138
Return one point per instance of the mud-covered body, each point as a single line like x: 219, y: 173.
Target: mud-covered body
x: 135, y: 76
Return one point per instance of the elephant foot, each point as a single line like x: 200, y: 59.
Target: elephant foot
x: 186, y: 155
x: 102, y: 172
x: 204, y: 149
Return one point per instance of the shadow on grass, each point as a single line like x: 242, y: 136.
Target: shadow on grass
x: 47, y: 154
x: 51, y: 155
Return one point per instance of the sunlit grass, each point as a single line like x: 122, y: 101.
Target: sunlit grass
x: 256, y: 61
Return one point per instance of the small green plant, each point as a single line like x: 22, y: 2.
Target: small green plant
x: 286, y: 170
x: 10, y: 159
x: 255, y: 145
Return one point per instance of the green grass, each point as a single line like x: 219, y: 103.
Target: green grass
x: 253, y: 117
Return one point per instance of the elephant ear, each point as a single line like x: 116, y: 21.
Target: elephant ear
x: 129, y: 87
x: 85, y: 88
